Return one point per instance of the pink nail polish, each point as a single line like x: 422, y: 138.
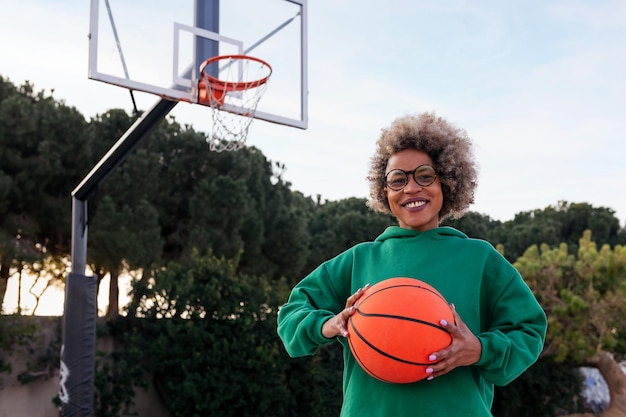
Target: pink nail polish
x: 432, y: 358
x: 443, y: 322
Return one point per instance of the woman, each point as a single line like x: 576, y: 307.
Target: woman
x: 422, y: 172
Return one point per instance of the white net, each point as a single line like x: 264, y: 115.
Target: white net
x: 233, y: 98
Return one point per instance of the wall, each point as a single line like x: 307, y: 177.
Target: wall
x: 34, y: 399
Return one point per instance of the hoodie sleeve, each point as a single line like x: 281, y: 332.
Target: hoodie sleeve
x: 516, y: 333
x: 312, y: 302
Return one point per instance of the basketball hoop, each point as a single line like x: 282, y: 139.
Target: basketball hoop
x: 233, y: 97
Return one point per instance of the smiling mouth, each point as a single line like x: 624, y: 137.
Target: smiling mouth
x: 414, y: 204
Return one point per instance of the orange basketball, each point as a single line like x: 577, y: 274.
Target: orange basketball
x: 396, y: 327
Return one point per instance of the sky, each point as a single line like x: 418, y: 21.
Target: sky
x: 538, y: 85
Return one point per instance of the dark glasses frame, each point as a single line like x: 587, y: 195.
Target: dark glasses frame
x: 418, y: 175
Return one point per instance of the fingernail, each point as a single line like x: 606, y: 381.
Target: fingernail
x: 432, y: 358
x: 345, y: 333
x: 351, y: 309
x: 430, y: 378
x: 429, y: 370
x: 443, y: 322
x: 453, y: 306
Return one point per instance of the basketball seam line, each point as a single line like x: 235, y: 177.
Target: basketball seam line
x: 393, y: 316
x: 383, y: 352
x: 365, y: 368
x: 430, y: 290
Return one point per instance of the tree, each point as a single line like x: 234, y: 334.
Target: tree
x: 474, y: 225
x: 124, y: 238
x: 337, y: 225
x: 230, y: 202
x: 544, y: 390
x: 43, y: 154
x: 583, y: 299
x: 16, y: 333
x: 553, y: 225
x: 209, y: 340
x: 124, y: 232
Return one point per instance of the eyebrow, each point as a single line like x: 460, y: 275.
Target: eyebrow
x: 410, y: 170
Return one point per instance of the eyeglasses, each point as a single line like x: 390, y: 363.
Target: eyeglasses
x: 397, y: 179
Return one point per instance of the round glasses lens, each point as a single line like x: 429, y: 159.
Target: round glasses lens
x: 396, y: 179
x: 425, y: 175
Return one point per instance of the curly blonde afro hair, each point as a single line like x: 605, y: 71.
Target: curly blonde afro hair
x: 449, y: 147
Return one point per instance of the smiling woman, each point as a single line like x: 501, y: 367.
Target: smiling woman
x: 423, y: 171
x: 444, y: 147
x: 415, y: 200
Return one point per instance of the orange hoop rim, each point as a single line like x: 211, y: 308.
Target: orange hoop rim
x: 218, y: 84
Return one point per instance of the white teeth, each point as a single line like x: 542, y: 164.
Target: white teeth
x: 415, y: 204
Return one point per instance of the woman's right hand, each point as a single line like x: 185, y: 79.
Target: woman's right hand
x: 338, y: 324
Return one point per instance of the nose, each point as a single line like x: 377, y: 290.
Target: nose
x: 412, y: 186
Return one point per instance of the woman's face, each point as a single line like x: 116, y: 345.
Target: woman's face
x: 416, y: 207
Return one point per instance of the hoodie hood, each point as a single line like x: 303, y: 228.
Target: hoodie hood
x: 393, y: 232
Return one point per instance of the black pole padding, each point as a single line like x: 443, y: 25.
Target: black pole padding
x: 78, y: 351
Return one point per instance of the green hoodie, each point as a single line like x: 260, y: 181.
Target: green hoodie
x: 487, y: 291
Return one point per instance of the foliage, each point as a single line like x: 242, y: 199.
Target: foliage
x: 583, y: 297
x: 231, y: 203
x: 544, y: 390
x: 47, y: 350
x: 329, y: 377
x: 42, y: 165
x: 210, y: 338
x: 16, y: 333
x: 337, y: 225
x: 552, y: 225
x: 564, y: 223
x: 118, y: 374
x: 124, y: 230
x: 475, y: 225
x: 39, y: 166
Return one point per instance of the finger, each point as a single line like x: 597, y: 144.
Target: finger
x: 437, y: 369
x: 361, y: 291
x: 434, y: 373
x: 443, y: 354
x: 455, y: 314
x: 343, y: 330
x: 450, y: 327
x: 342, y: 324
x: 354, y: 297
x: 348, y: 312
x: 457, y: 326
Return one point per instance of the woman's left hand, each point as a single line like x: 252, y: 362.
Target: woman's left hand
x: 464, y: 350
